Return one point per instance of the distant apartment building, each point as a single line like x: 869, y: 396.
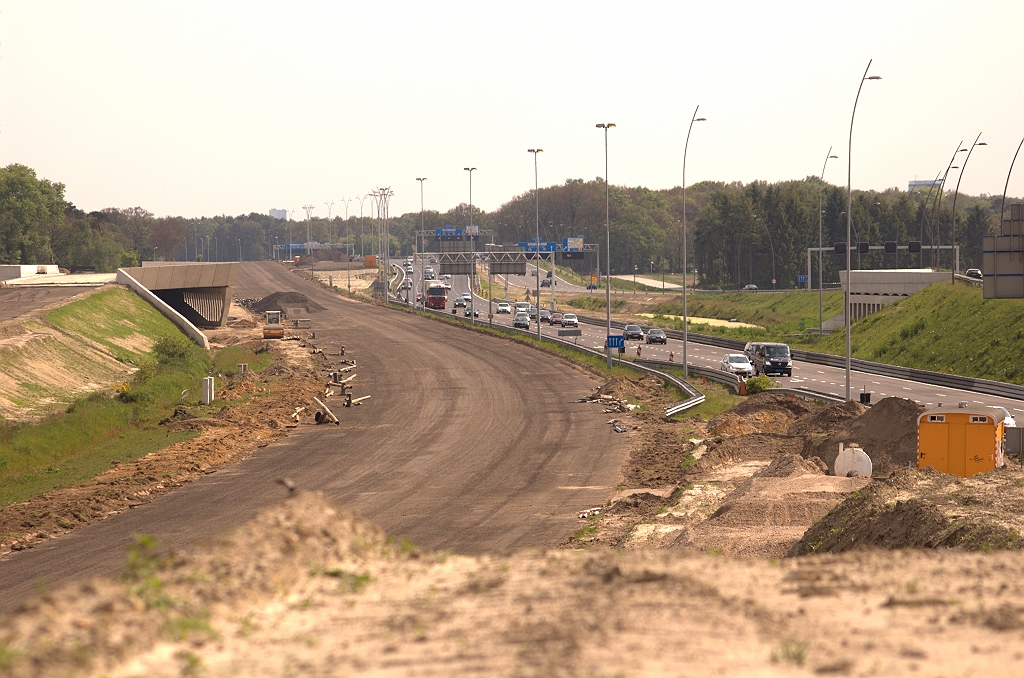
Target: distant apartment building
x: 279, y: 214
x: 916, y: 184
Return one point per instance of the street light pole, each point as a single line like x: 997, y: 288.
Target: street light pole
x: 423, y: 282
x: 608, y: 242
x: 686, y: 337
x: 821, y: 275
x: 849, y: 221
x: 956, y: 259
x: 536, y: 202
x: 472, y: 296
x: 942, y: 189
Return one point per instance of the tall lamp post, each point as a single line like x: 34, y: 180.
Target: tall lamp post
x: 536, y: 203
x: 821, y: 275
x: 686, y: 369
x: 608, y: 242
x: 942, y: 189
x: 472, y: 296
x: 952, y: 229
x: 423, y: 282
x: 849, y: 221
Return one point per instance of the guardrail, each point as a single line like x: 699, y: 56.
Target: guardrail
x: 696, y: 397
x: 954, y: 381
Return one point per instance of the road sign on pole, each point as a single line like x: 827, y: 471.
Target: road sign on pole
x: 616, y: 341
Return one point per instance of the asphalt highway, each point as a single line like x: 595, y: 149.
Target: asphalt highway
x: 468, y: 443
x: 805, y: 375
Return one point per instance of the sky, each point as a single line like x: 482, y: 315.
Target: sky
x: 206, y: 108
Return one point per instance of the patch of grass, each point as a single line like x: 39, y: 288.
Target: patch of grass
x: 7, y: 656
x: 227, y: 359
x: 584, y: 532
x: 794, y: 652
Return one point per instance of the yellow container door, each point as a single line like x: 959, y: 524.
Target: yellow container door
x: 933, y: 446
x: 957, y: 449
x: 981, y: 448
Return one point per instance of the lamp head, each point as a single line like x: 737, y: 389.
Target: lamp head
x: 981, y: 143
x: 834, y: 156
x: 874, y: 77
x: 699, y: 119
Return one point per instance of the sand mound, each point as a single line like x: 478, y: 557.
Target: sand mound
x: 739, y: 449
x: 829, y: 419
x: 794, y: 407
x: 887, y: 433
x: 788, y: 465
x: 924, y: 509
x: 729, y: 424
x: 281, y: 301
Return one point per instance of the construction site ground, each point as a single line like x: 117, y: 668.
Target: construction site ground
x: 727, y: 548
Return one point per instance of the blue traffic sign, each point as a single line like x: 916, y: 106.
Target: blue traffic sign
x: 544, y: 246
x: 801, y: 279
x: 616, y: 341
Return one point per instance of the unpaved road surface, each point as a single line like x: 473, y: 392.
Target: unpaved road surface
x: 467, y: 444
x: 21, y: 299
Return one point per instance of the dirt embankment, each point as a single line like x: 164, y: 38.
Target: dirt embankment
x: 754, y: 479
x: 925, y: 509
x: 310, y: 589
x: 259, y: 412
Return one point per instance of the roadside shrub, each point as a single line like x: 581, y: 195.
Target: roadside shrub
x: 758, y: 384
x: 171, y: 349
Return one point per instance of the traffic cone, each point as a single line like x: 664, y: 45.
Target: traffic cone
x: 638, y: 351
x: 743, y: 387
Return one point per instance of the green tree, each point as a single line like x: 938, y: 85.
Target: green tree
x: 29, y: 209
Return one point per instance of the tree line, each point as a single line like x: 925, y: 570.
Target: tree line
x: 737, y: 233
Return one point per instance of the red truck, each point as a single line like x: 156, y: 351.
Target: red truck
x: 437, y: 296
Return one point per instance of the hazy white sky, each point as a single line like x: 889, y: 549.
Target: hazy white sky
x: 215, y: 107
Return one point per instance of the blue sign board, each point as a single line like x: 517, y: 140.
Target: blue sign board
x: 544, y: 246
x: 616, y: 341
x: 448, y: 233
x: 801, y: 279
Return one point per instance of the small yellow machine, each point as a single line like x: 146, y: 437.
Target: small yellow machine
x: 961, y: 441
x: 273, y: 329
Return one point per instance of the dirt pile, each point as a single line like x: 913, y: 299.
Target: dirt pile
x: 887, y: 432
x: 761, y: 413
x: 282, y: 301
x: 754, y: 447
x: 787, y: 465
x: 925, y: 509
x: 831, y: 418
x: 310, y: 589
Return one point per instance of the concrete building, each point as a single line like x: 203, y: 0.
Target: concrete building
x: 1002, y: 260
x: 918, y: 184
x: 279, y: 214
x: 871, y: 291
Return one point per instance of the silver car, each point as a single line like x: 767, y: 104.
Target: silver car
x: 738, y: 364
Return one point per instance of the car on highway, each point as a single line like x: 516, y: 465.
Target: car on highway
x: 521, y: 320
x: 504, y: 307
x: 773, y: 358
x: 750, y: 288
x: 750, y: 349
x: 633, y: 332
x: 533, y: 272
x: 447, y: 284
x: 556, y: 319
x: 545, y: 316
x: 532, y: 312
x: 570, y: 320
x: 737, y: 363
x: 591, y: 285
x: 467, y: 297
x: 1008, y: 420
x: 406, y: 285
x: 458, y: 301
x: 474, y: 311
x: 656, y: 335
x: 428, y: 273
x: 546, y: 282
x: 522, y: 306
x: 973, y: 273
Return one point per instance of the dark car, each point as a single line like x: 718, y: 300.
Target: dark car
x: 773, y: 359
x: 633, y: 332
x: 545, y: 315
x: 974, y: 273
x: 458, y: 301
x: 656, y: 336
x: 546, y: 282
x: 556, y: 319
x: 532, y: 311
x: 475, y: 311
x: 591, y: 285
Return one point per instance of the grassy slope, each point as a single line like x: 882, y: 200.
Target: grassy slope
x: 73, y: 446
x: 943, y: 328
